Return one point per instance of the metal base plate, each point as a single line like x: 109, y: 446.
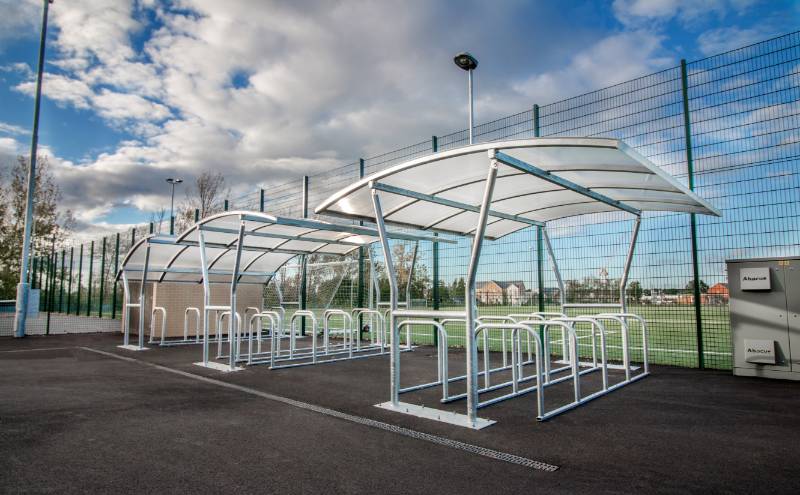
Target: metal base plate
x: 131, y: 347
x: 437, y: 415
x: 225, y: 368
x: 587, y: 364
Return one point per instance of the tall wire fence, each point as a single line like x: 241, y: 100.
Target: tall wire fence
x: 727, y: 126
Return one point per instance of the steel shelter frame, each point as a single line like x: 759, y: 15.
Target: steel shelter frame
x: 470, y: 314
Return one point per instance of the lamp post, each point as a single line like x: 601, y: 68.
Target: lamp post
x: 172, y: 204
x: 21, y: 310
x: 468, y: 63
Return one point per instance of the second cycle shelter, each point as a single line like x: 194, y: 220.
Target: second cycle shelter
x: 490, y: 190
x: 244, y: 244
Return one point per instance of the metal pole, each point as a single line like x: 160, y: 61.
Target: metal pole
x: 102, y: 278
x: 394, y: 340
x: 539, y: 243
x: 61, y: 282
x: 34, y: 264
x: 196, y: 215
x: 69, y: 283
x: 51, y: 284
x: 469, y: 293
x: 469, y: 77
x: 361, y: 276
x: 143, y: 296
x: 304, y: 263
x: 233, y: 323
x: 116, y: 269
x: 80, y: 274
x: 261, y: 201
x: 89, y: 285
x: 623, y: 283
x: 687, y: 125
x: 172, y: 210
x: 21, y: 310
x: 436, y: 294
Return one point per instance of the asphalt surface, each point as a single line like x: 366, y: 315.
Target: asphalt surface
x: 72, y: 420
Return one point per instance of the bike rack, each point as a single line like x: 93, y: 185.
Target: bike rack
x: 196, y: 312
x: 163, y: 312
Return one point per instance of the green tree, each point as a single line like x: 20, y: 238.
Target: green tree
x: 52, y: 223
x: 635, y: 291
x: 703, y: 286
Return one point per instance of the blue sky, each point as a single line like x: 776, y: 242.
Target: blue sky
x: 137, y: 91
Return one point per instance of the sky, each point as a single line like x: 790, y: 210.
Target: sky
x: 136, y: 91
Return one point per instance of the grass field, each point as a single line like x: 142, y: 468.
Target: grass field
x: 671, y: 330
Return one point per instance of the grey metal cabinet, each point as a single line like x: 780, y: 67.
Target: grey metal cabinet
x: 765, y: 317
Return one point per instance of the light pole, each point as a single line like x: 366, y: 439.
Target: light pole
x: 468, y: 63
x: 21, y: 310
x: 172, y: 205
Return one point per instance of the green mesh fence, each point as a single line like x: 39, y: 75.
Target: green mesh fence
x: 726, y: 125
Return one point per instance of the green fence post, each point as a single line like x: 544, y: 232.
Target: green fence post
x: 133, y: 236
x: 102, y: 277
x: 436, y: 291
x: 539, y: 243
x: 80, y: 275
x: 41, y: 275
x: 172, y: 225
x: 89, y: 284
x: 151, y: 227
x: 303, y: 263
x: 51, y: 283
x: 687, y: 125
x: 116, y: 269
x: 362, y: 252
x: 225, y: 205
x: 61, y: 282
x: 196, y: 215
x: 261, y: 201
x: 69, y: 283
x: 32, y: 273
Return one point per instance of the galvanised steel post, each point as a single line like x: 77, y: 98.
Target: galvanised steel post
x: 261, y: 201
x: 539, y: 243
x: 102, y: 278
x: 80, y: 274
x: 116, y: 269
x: 304, y: 263
x: 69, y: 283
x: 687, y: 125
x: 89, y: 285
x: 61, y: 282
x: 21, y: 309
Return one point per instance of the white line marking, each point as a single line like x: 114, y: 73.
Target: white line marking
x: 407, y: 432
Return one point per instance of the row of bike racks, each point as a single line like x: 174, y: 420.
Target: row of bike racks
x: 530, y: 334
x: 350, y: 346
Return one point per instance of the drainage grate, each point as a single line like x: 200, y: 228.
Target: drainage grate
x: 406, y: 432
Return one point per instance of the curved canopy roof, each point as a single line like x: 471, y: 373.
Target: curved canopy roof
x: 269, y: 243
x: 538, y: 180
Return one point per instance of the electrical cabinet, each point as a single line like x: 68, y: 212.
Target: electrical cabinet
x: 765, y: 316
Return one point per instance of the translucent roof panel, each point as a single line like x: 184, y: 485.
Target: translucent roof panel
x: 269, y: 243
x: 538, y: 180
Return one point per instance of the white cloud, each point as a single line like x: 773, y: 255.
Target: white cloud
x: 325, y: 83
x: 723, y: 39
x: 6, y: 128
x: 617, y: 58
x: 636, y: 13
x: 19, y: 18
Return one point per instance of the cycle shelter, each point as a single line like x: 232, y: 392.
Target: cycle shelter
x: 239, y: 248
x: 491, y: 190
